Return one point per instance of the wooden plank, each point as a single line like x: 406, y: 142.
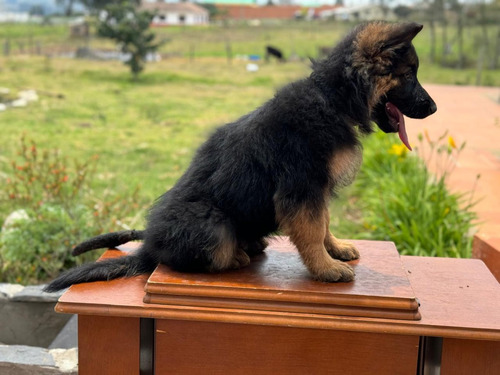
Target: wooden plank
x: 487, y: 248
x: 217, y: 348
x: 279, y: 275
x: 279, y: 306
x: 465, y: 357
x: 455, y: 293
x: 108, y: 345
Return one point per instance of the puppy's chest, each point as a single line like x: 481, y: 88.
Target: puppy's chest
x: 344, y: 164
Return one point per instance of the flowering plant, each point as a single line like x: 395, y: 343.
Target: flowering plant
x: 51, y: 207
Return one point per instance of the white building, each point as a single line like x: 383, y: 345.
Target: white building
x: 362, y: 13
x: 177, y: 13
x: 14, y: 17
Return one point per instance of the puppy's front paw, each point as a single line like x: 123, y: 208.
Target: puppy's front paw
x: 337, y: 272
x: 342, y: 250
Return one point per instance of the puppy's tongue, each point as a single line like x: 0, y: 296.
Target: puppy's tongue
x: 398, y: 120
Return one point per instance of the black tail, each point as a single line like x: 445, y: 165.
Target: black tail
x: 108, y: 269
x: 108, y: 240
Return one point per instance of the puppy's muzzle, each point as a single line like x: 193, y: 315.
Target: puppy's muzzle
x: 423, y: 106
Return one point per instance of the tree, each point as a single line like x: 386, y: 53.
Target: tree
x: 37, y: 10
x: 129, y: 27
x: 68, y: 6
x: 402, y: 11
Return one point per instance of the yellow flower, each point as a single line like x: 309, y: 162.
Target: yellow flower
x: 451, y: 142
x: 399, y: 150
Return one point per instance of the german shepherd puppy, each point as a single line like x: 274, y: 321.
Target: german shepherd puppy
x: 277, y: 167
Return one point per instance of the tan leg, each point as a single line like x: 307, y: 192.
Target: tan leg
x: 227, y: 255
x: 307, y: 232
x: 338, y: 249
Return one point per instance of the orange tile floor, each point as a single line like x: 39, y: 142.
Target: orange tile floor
x: 470, y: 114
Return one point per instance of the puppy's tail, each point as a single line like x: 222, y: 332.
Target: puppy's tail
x: 104, y: 270
x: 108, y: 240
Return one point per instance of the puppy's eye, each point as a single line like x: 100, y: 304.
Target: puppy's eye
x: 408, y: 76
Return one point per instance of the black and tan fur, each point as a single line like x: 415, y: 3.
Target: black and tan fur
x: 276, y: 168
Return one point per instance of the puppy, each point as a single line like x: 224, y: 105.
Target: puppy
x: 276, y: 168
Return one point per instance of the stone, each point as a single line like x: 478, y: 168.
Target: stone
x: 28, y: 95
x: 68, y: 337
x: 26, y: 355
x: 24, y: 322
x: 26, y: 360
x: 19, y: 103
x: 35, y: 293
x: 7, y: 291
x: 14, y: 218
x: 66, y: 359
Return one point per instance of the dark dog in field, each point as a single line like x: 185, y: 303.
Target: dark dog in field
x: 274, y: 52
x: 276, y: 168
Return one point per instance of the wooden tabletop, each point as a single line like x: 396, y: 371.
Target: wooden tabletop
x: 458, y: 297
x: 278, y: 281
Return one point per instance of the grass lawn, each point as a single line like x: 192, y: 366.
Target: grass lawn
x: 144, y: 132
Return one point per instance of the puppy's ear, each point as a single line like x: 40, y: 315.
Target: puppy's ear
x: 379, y: 40
x: 378, y: 43
x: 402, y: 34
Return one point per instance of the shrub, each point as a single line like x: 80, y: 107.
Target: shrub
x: 401, y: 201
x: 53, y: 208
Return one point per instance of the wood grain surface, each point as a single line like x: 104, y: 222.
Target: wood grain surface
x: 466, y: 357
x: 278, y: 281
x: 108, y: 345
x: 217, y: 348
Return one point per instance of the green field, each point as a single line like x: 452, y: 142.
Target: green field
x: 298, y: 40
x: 144, y: 132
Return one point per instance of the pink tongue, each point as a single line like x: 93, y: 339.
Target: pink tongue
x: 396, y: 113
x: 402, y: 133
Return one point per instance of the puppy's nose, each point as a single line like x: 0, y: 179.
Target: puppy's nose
x: 432, y: 108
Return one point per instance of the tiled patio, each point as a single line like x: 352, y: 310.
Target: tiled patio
x: 470, y: 114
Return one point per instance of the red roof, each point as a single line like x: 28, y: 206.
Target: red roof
x: 251, y: 12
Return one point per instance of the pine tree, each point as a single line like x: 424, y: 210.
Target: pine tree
x: 129, y: 27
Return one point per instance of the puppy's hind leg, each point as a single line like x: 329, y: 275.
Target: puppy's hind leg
x: 338, y: 249
x: 307, y: 230
x: 227, y: 254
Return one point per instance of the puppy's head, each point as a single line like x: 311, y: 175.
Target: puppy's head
x: 384, y: 55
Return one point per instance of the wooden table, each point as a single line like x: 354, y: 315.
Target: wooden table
x: 402, y: 315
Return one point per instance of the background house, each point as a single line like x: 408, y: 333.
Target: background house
x: 284, y: 12
x: 364, y: 13
x: 177, y: 13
